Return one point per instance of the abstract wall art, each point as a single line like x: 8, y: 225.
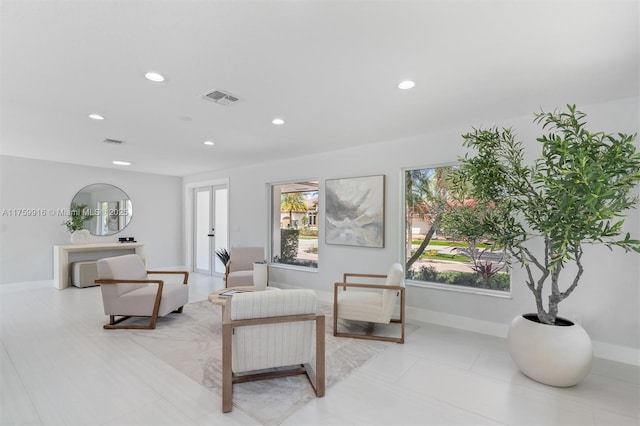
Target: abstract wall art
x: 355, y: 211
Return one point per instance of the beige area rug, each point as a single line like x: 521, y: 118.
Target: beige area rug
x: 191, y: 342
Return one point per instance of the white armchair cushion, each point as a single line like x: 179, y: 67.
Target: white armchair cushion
x: 371, y: 305
x: 242, y: 258
x: 395, y: 277
x: 361, y: 306
x: 136, y: 299
x: 140, y: 302
x: 240, y: 278
x: 241, y: 261
x: 127, y: 267
x: 258, y: 347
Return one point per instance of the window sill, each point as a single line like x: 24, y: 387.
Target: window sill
x: 293, y: 267
x: 460, y: 289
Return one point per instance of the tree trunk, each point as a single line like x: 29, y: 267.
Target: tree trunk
x: 409, y: 241
x: 425, y: 243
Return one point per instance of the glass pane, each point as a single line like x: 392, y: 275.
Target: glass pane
x: 202, y: 243
x: 221, y: 225
x: 294, y: 229
x: 436, y: 251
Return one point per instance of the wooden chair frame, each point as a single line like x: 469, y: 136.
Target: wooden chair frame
x: 369, y: 335
x: 226, y: 274
x: 316, y: 376
x: 113, y: 322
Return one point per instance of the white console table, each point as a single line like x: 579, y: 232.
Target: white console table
x: 61, y: 255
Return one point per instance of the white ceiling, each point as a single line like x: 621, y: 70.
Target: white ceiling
x: 329, y: 68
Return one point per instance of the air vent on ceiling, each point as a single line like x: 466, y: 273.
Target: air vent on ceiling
x: 220, y: 97
x: 113, y: 141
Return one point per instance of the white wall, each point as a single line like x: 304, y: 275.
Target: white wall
x: 26, y: 252
x: 607, y: 302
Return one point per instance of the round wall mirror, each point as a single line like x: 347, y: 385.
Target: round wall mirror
x: 107, y: 208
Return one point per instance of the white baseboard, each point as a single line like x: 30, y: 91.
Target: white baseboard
x: 26, y: 285
x: 616, y: 353
x: 460, y: 322
x: 171, y: 268
x: 600, y: 350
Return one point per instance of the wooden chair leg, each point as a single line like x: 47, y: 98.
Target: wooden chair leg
x: 402, y: 314
x: 315, y: 375
x: 320, y: 350
x: 113, y: 324
x: 335, y: 310
x: 153, y: 320
x: 227, y: 375
x: 113, y: 320
x: 370, y: 327
x: 369, y: 333
x: 370, y: 336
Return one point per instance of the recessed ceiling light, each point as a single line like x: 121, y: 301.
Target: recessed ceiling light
x: 96, y: 116
x: 121, y: 163
x: 154, y: 76
x: 210, y: 143
x: 277, y: 121
x: 408, y: 84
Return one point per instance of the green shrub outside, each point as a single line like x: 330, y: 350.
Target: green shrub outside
x: 308, y: 232
x: 450, y: 243
x: 288, y: 244
x: 498, y: 282
x: 298, y: 262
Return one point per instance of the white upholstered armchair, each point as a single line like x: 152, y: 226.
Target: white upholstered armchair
x: 369, y: 302
x: 239, y: 268
x: 127, y: 291
x: 267, y: 330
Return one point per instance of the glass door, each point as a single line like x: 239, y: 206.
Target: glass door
x: 221, y: 225
x: 210, y: 228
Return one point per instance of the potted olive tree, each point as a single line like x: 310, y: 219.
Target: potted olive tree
x: 79, y: 216
x: 542, y: 214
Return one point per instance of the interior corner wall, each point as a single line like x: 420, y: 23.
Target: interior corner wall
x: 26, y: 246
x: 607, y: 301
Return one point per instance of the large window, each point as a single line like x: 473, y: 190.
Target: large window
x: 436, y: 249
x: 294, y: 230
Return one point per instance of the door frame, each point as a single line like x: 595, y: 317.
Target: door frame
x: 188, y: 203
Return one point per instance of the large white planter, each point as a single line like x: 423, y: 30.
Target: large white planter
x: 556, y: 355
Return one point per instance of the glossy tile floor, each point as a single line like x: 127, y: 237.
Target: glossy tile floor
x: 59, y: 367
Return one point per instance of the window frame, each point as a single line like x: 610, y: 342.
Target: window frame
x: 272, y: 221
x: 403, y: 244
